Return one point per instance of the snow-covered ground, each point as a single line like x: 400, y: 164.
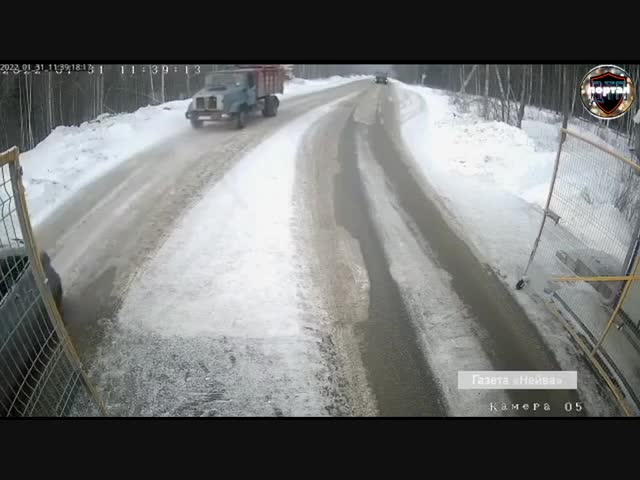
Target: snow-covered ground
x: 72, y: 157
x: 493, y: 179
x: 489, y: 173
x: 501, y: 162
x: 224, y: 299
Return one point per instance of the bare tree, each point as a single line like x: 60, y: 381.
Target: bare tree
x: 509, y: 90
x: 153, y: 93
x: 541, y: 82
x: 575, y: 89
x: 529, y: 98
x: 29, y: 101
x: 50, y: 122
x: 101, y: 94
x: 486, y: 92
x: 162, y: 86
x: 466, y: 81
x: 523, y: 98
x: 503, y: 98
x: 565, y: 100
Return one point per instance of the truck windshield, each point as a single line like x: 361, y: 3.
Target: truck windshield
x: 221, y: 81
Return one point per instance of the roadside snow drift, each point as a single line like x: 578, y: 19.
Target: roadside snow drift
x: 71, y: 157
x: 464, y: 145
x: 495, y: 175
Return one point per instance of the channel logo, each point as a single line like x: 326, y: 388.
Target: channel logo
x: 607, y: 92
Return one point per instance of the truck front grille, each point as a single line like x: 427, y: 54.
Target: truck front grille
x: 200, y: 103
x: 213, y: 104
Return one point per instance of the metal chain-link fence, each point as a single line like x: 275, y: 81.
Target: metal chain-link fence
x: 584, y: 257
x: 40, y: 373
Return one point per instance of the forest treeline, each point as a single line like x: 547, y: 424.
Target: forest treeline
x: 506, y: 90
x: 31, y: 106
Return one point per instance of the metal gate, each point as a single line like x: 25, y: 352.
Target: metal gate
x: 584, y: 261
x: 40, y: 372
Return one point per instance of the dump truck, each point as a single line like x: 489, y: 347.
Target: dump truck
x: 233, y: 94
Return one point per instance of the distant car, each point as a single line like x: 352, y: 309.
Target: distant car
x: 382, y: 77
x: 25, y: 329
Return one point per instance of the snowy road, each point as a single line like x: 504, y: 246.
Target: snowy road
x: 102, y: 235
x: 432, y: 308
x: 314, y: 275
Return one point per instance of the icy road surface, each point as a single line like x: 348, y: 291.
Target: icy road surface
x: 302, y: 266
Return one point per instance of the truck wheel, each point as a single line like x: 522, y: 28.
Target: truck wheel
x: 196, y: 123
x: 266, y: 111
x: 270, y: 106
x: 241, y: 119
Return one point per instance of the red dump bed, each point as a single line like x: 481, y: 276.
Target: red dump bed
x: 269, y: 78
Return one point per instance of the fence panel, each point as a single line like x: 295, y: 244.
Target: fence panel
x: 586, y: 251
x: 40, y: 373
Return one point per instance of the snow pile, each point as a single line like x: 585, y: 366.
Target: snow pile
x: 505, y: 156
x: 453, y: 145
x: 492, y: 152
x: 71, y: 157
x: 543, y: 127
x: 302, y: 86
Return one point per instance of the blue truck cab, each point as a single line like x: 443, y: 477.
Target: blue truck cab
x: 233, y: 94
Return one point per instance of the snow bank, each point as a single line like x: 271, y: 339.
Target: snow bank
x: 515, y: 161
x: 597, y: 132
x: 461, y: 144
x: 71, y: 157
